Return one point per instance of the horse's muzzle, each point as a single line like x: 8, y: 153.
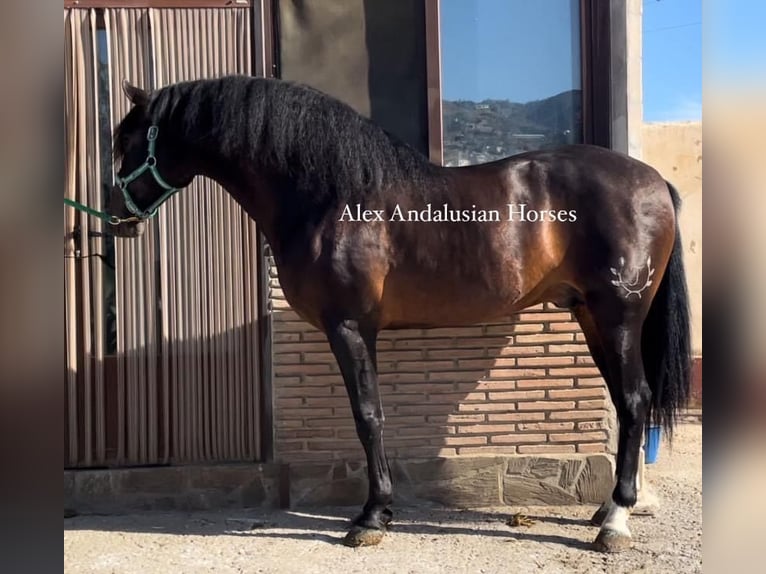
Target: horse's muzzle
x: 127, y: 230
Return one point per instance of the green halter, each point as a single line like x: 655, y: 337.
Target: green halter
x: 150, y: 164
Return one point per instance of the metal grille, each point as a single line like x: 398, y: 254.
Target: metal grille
x: 181, y: 383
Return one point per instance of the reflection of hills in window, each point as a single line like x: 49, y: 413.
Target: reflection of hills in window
x: 478, y: 132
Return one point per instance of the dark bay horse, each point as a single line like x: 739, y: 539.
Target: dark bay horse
x: 368, y: 235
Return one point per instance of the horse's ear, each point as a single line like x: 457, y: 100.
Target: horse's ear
x: 136, y: 95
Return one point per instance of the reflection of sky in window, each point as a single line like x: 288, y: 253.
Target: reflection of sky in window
x: 518, y: 50
x: 105, y: 141
x: 103, y: 56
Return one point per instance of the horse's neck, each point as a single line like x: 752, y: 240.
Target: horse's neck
x: 255, y: 191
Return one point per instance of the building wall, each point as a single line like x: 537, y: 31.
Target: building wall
x: 675, y: 149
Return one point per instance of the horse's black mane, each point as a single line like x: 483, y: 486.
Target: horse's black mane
x: 319, y: 145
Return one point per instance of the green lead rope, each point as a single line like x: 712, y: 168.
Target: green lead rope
x: 90, y: 211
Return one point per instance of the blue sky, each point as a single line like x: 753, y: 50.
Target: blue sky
x: 536, y: 46
x: 672, y: 60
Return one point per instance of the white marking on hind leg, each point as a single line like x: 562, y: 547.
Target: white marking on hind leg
x: 617, y: 520
x: 617, y: 517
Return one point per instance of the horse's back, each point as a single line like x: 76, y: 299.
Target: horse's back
x: 579, y: 165
x: 565, y: 214
x: 562, y: 216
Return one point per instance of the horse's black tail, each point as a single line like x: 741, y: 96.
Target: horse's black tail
x: 666, y: 341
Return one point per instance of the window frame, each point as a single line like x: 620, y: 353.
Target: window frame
x: 603, y: 31
x: 157, y: 3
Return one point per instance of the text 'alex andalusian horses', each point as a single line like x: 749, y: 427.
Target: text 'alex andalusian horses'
x: 368, y: 235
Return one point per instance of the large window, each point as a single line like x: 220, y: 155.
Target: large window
x: 511, y: 77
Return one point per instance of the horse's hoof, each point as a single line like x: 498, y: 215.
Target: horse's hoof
x: 612, y: 541
x: 361, y: 536
x: 598, y: 517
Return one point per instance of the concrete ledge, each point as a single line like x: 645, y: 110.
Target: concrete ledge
x: 461, y: 482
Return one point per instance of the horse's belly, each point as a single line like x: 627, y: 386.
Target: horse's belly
x: 425, y: 303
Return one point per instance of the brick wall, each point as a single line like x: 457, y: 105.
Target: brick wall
x: 525, y: 386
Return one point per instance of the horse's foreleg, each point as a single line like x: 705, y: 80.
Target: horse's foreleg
x: 355, y: 353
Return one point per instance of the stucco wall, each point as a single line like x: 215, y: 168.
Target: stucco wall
x: 675, y: 149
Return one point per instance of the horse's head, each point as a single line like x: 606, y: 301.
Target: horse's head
x: 150, y: 170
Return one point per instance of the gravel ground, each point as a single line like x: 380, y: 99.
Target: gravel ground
x: 422, y: 540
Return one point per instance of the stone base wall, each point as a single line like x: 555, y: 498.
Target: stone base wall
x: 461, y: 482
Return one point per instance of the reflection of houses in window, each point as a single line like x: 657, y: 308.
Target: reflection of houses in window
x: 527, y: 142
x: 484, y: 128
x: 529, y: 136
x: 475, y: 132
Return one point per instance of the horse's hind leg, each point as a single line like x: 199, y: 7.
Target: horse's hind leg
x: 647, y: 502
x: 596, y: 349
x: 355, y: 353
x: 617, y: 323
